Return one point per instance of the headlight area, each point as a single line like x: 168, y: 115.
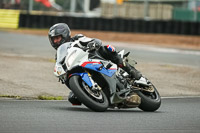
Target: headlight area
x: 58, y: 70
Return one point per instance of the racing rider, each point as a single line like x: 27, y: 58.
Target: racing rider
x: 60, y: 33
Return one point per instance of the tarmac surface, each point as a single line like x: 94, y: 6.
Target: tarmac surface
x: 180, y: 115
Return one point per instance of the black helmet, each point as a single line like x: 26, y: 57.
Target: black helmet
x: 59, y: 29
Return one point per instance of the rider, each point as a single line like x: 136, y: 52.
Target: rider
x: 60, y: 34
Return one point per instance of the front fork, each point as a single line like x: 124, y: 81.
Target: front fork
x: 86, y: 77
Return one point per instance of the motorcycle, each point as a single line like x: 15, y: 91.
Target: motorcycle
x: 100, y: 84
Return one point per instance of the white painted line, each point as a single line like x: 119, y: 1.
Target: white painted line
x: 155, y: 48
x: 180, y: 97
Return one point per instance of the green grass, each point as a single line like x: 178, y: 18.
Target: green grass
x: 52, y: 60
x: 11, y: 96
x: 43, y: 97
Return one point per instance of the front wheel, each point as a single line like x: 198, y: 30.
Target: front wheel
x: 150, y: 101
x: 95, y: 100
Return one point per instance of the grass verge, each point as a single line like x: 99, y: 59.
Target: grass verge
x: 43, y: 97
x: 10, y: 96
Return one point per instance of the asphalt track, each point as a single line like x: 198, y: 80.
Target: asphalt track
x: 179, y: 115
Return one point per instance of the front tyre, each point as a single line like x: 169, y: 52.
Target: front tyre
x: 94, y: 101
x: 149, y: 101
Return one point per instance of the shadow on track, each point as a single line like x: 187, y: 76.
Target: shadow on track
x: 84, y: 109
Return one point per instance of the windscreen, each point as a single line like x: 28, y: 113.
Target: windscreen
x: 62, y: 51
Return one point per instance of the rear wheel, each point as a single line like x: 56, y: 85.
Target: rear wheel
x: 150, y: 101
x: 96, y: 100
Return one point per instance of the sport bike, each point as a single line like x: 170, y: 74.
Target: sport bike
x: 100, y: 84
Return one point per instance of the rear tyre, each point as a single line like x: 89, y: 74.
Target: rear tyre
x: 149, y: 101
x: 96, y: 101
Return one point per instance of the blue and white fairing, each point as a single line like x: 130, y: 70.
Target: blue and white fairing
x: 73, y: 57
x: 99, y: 67
x: 95, y: 65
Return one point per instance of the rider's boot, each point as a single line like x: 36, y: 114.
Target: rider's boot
x: 135, y: 74
x: 73, y: 99
x: 142, y: 81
